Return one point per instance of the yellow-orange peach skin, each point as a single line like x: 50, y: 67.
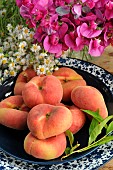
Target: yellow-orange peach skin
x: 46, y: 120
x: 13, y: 112
x: 79, y: 119
x: 89, y: 98
x: 23, y: 78
x: 46, y: 89
x: 46, y: 149
x: 69, y: 79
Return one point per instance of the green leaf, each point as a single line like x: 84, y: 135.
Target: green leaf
x: 93, y: 124
x: 97, y: 130
x: 67, y: 150
x: 103, y: 141
x: 109, y: 128
x: 62, y: 10
x: 96, y: 114
x: 70, y: 136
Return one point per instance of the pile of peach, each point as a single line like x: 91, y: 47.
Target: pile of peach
x: 41, y: 104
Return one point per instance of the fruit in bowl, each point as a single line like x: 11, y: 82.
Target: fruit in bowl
x: 50, y: 107
x: 46, y: 149
x: 78, y: 117
x: 13, y: 112
x: 46, y: 89
x: 89, y: 98
x: 23, y: 78
x: 69, y: 80
x: 45, y: 120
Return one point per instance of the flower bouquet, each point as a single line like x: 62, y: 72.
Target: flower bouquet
x: 70, y: 24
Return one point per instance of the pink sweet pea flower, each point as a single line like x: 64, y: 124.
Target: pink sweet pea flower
x: 70, y: 40
x: 19, y: 3
x: 95, y: 49
x: 51, y: 44
x: 50, y: 26
x: 109, y: 10
x: 25, y: 13
x: 90, y: 3
x: 89, y: 17
x: 89, y: 31
x: 44, y: 3
x: 76, y: 10
x: 80, y: 40
x: 39, y: 34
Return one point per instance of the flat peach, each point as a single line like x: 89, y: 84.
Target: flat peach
x: 89, y: 98
x: 69, y: 79
x: 13, y: 112
x: 46, y: 89
x: 46, y: 149
x: 46, y: 120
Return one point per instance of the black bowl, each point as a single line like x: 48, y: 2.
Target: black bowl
x: 11, y: 141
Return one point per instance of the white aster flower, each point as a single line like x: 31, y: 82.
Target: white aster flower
x: 9, y: 27
x: 2, y: 12
x: 10, y: 53
x: 20, y: 36
x: 43, y: 54
x: 6, y: 45
x: 4, y: 60
x: 13, y: 46
x: 16, y: 54
x: 22, y: 51
x: 25, y: 32
x: 1, y: 55
x: 18, y: 29
x: 23, y: 61
x: 12, y: 73
x: 41, y: 70
x: 47, y: 61
x: 30, y: 36
x: 22, y: 44
x: 24, y: 67
x: 35, y: 48
x: 6, y: 73
x: 18, y: 67
x: 9, y: 39
x: 11, y: 66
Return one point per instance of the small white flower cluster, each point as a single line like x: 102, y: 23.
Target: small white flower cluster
x: 18, y: 52
x: 2, y: 12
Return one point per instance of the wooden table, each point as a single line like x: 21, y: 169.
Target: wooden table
x: 106, y: 62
